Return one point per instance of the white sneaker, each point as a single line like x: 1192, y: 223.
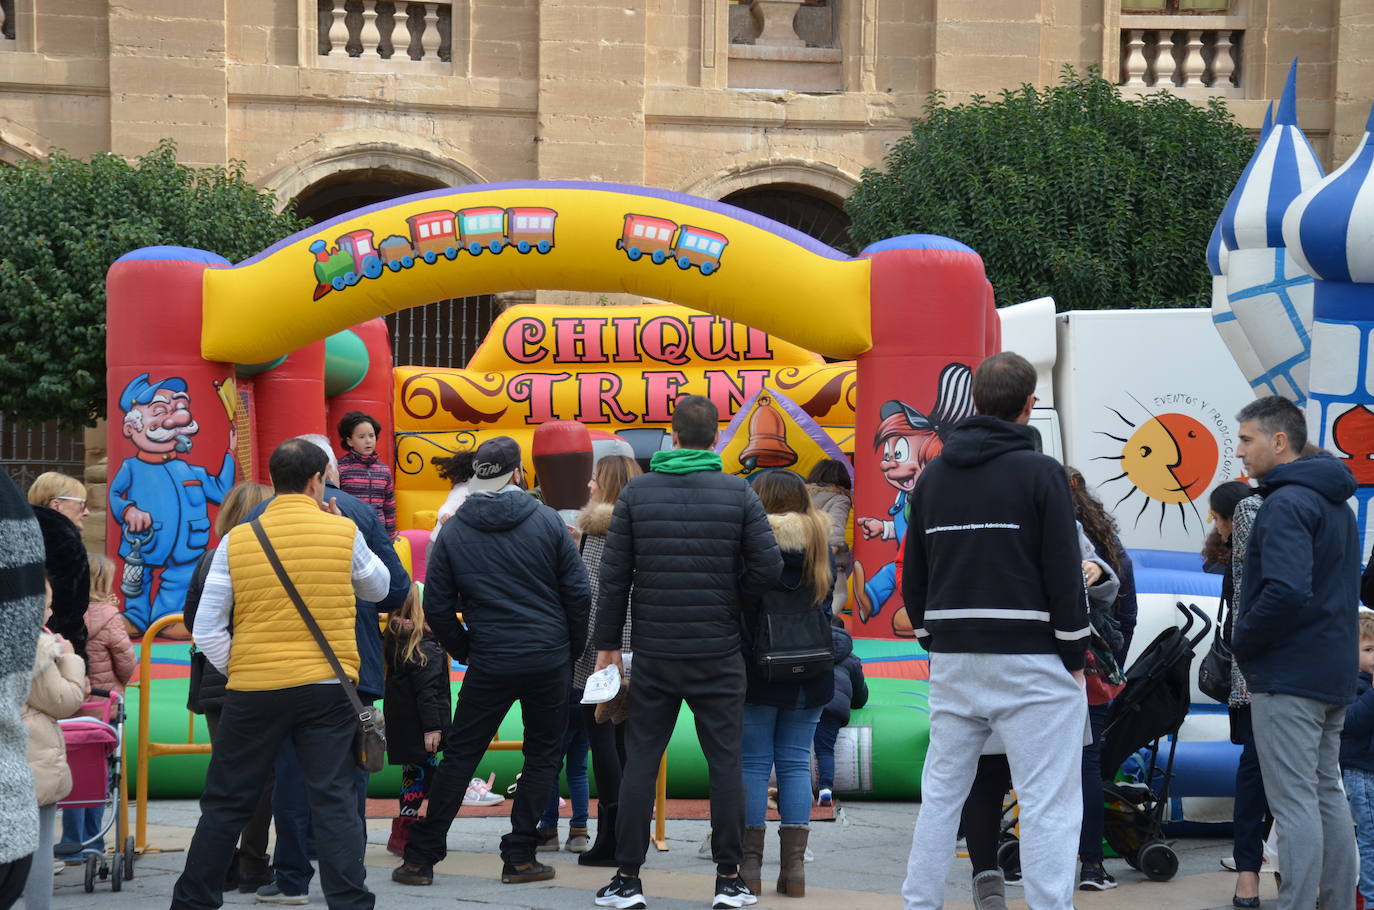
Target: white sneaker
x: 479, y: 792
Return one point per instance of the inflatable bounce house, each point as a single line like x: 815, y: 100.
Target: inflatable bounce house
x: 212, y: 364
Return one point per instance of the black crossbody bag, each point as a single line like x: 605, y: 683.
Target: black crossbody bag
x: 369, y: 740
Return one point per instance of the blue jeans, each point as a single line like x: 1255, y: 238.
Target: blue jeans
x: 79, y: 830
x: 781, y: 738
x: 1359, y: 790
x: 575, y: 746
x: 1090, y: 835
x: 1250, y: 818
x: 827, y: 731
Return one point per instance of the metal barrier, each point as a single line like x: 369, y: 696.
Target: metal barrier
x: 147, y: 749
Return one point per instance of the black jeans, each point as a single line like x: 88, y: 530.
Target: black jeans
x: 714, y: 690
x: 13, y: 876
x: 607, y: 742
x: 320, y: 722
x: 1090, y: 836
x: 253, y: 861
x: 483, y: 702
x: 982, y: 818
x: 1250, y: 816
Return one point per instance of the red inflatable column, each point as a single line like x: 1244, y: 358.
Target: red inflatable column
x: 372, y: 395
x: 930, y: 321
x: 562, y: 455
x: 290, y: 402
x: 170, y: 430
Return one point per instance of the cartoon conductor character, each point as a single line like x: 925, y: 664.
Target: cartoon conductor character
x: 906, y: 441
x: 159, y: 500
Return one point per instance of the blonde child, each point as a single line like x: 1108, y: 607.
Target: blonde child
x: 57, y: 690
x: 110, y: 666
x: 1357, y: 758
x: 417, y: 708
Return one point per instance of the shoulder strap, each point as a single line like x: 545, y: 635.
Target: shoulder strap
x: 364, y: 713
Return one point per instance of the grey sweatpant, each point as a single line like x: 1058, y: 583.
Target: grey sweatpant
x: 1039, y: 711
x: 1299, y: 745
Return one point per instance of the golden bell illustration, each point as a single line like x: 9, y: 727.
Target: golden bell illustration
x: 768, y: 446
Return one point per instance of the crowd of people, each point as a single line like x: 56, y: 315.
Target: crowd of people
x: 722, y: 594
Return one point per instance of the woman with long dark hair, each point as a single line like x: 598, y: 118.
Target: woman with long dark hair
x: 1233, y: 509
x: 607, y: 740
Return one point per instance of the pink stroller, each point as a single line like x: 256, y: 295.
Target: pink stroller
x: 95, y: 751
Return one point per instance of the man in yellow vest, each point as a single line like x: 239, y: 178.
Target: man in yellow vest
x: 280, y: 683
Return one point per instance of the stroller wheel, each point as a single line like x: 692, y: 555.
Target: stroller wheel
x: 117, y: 873
x: 89, y: 880
x: 1009, y: 859
x: 129, y: 853
x: 1158, y: 861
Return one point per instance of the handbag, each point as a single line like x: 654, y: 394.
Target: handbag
x: 1214, y: 670
x: 793, y: 645
x: 369, y: 740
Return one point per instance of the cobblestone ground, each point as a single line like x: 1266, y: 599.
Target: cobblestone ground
x: 860, y: 862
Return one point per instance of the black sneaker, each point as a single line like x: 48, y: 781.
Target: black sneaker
x: 732, y: 892
x: 1095, y: 878
x: 529, y: 871
x: 624, y: 893
x: 413, y: 874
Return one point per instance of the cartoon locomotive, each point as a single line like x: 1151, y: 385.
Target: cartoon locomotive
x: 442, y: 232
x: 662, y: 239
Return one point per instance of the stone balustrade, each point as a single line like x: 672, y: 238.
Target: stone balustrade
x: 375, y: 30
x: 1188, y: 56
x: 785, y: 44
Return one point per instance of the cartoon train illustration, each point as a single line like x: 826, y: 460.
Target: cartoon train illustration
x: 662, y: 239
x: 446, y: 233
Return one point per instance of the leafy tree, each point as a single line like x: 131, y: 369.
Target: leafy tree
x: 63, y: 222
x: 1071, y: 191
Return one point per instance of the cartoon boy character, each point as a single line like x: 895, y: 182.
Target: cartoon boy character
x: 906, y: 441
x: 160, y: 501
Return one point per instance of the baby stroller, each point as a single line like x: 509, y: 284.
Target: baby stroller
x: 1150, y: 709
x: 95, y: 751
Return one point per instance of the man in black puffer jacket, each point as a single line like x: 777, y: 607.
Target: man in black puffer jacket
x: 508, y: 564
x: 689, y: 549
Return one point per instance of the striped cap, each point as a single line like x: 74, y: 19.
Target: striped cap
x: 1283, y: 167
x: 1330, y: 227
x: 1217, y: 250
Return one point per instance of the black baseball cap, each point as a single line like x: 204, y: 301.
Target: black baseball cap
x: 493, y: 463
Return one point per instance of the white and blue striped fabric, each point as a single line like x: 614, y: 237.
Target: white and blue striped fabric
x: 1330, y: 227
x: 1283, y: 167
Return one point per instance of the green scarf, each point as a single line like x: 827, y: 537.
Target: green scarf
x: 684, y: 461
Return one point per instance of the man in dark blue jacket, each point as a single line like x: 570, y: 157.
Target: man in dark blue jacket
x: 290, y: 809
x: 1297, y: 643
x: 508, y: 564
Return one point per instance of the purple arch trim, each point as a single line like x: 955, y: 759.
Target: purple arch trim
x: 174, y: 254
x: 810, y: 244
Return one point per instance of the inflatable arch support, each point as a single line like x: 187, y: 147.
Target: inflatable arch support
x: 187, y: 328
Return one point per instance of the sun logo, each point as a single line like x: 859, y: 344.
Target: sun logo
x: 1170, y: 458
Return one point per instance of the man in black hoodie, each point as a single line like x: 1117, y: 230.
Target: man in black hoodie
x: 508, y: 564
x: 1296, y: 638
x: 994, y: 587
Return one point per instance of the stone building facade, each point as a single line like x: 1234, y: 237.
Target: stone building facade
x: 774, y: 105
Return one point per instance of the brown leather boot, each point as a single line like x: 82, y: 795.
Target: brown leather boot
x: 751, y: 870
x: 792, y: 866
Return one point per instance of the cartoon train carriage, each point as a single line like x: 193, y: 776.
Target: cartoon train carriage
x: 397, y: 252
x: 663, y: 239
x: 353, y: 259
x: 433, y: 235
x: 482, y: 227
x: 530, y: 227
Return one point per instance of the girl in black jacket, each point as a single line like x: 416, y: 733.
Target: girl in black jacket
x: 417, y: 709
x: 780, y: 717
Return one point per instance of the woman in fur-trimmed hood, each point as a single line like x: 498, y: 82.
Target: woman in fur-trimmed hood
x: 780, y: 717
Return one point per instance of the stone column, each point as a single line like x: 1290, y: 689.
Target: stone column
x: 168, y: 78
